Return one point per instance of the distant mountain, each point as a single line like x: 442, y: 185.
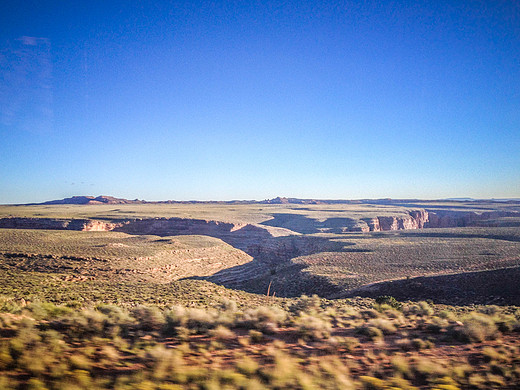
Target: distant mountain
x: 102, y: 199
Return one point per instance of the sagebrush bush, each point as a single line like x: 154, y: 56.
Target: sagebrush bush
x: 388, y: 301
x: 306, y: 304
x: 266, y: 319
x: 386, y: 326
x: 372, y: 332
x: 421, y: 309
x: 477, y: 328
x: 312, y: 327
x: 148, y: 318
x: 222, y: 333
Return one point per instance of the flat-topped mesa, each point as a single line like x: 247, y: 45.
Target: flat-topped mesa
x: 91, y: 200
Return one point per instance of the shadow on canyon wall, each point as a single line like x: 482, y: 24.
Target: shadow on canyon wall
x: 304, y: 225
x: 271, y: 268
x: 499, y: 287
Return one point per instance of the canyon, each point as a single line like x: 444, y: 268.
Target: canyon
x: 294, y: 246
x: 414, y: 219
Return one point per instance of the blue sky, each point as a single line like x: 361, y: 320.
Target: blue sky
x: 252, y: 100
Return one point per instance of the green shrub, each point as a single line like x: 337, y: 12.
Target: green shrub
x: 388, y: 300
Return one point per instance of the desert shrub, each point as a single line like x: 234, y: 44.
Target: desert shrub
x: 256, y: 336
x: 401, y: 366
x: 419, y: 344
x: 405, y: 344
x: 437, y: 324
x: 283, y: 373
x: 349, y: 343
x: 490, y: 310
x: 388, y: 301
x: 46, y: 310
x: 80, y: 361
x: 10, y: 305
x: 506, y: 323
x: 36, y: 384
x: 222, y: 333
x: 266, y: 319
x: 8, y: 324
x: 372, y: 383
x: 53, y: 341
x: 163, y: 362
x: 447, y: 315
x: 227, y: 312
x: 386, y: 326
x: 477, y: 328
x: 79, y: 325
x: 174, y: 318
x: 148, y: 318
x: 461, y: 371
x: 117, y: 320
x: 332, y: 374
x: 40, y: 359
x: 247, y: 366
x: 421, y: 309
x: 306, y: 304
x: 200, y: 321
x: 444, y: 383
x: 314, y: 328
x: 427, y: 370
x: 27, y: 337
x: 5, y: 356
x: 178, y: 318
x: 491, y: 354
x: 369, y: 313
x: 107, y: 355
x: 372, y: 332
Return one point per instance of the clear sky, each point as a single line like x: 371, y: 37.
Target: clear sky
x: 251, y: 100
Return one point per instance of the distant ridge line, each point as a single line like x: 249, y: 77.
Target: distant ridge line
x: 105, y: 199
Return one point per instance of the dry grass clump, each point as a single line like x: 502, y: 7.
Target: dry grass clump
x: 266, y: 319
x: 420, y: 309
x: 306, y: 304
x: 312, y: 327
x: 437, y: 324
x: 222, y: 333
x: 373, y: 333
x: 477, y: 328
x: 386, y: 326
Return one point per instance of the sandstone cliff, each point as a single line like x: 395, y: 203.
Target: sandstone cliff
x: 414, y: 219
